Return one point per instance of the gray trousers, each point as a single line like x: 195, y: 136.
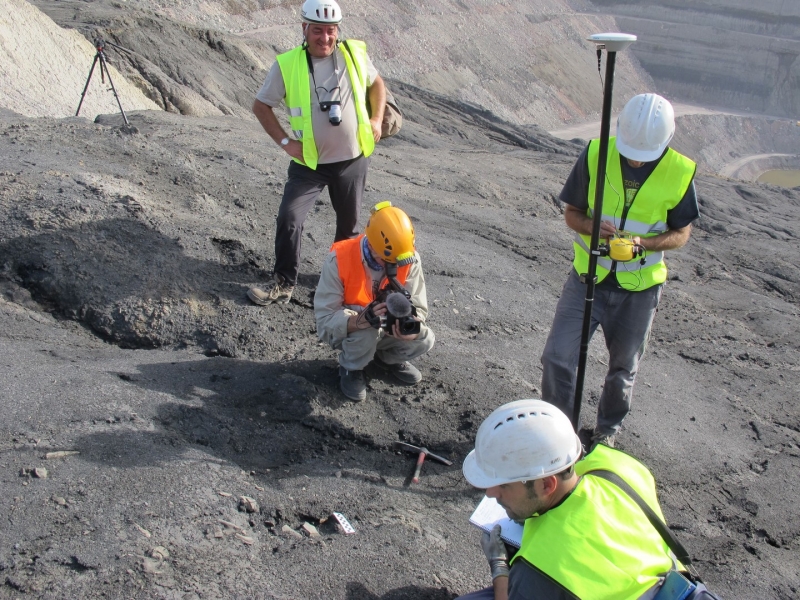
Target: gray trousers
x: 484, y: 594
x: 626, y: 318
x: 345, y: 180
x: 359, y: 347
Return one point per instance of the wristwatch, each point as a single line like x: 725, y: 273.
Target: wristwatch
x: 285, y: 142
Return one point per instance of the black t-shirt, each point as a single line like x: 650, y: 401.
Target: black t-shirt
x: 526, y: 582
x: 576, y: 193
x: 576, y: 190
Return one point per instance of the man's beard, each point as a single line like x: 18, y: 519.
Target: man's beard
x: 514, y: 517
x: 537, y: 507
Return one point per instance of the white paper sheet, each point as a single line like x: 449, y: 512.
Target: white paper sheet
x: 489, y: 513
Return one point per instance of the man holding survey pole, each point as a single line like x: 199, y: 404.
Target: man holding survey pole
x: 648, y: 209
x: 586, y: 534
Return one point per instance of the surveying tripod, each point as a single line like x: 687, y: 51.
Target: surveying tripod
x: 100, y: 57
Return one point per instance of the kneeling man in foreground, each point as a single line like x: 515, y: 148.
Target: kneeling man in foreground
x: 584, y: 536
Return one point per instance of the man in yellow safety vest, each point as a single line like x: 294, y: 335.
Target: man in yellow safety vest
x: 650, y: 199
x: 584, y: 536
x: 326, y: 86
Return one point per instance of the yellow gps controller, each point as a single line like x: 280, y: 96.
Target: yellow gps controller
x: 622, y: 248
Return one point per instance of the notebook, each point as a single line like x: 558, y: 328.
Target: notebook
x: 489, y: 513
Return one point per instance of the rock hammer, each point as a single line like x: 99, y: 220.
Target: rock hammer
x: 423, y: 452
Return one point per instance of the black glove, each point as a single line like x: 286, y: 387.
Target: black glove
x: 369, y: 315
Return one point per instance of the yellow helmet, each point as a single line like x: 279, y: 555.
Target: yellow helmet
x: 391, y: 234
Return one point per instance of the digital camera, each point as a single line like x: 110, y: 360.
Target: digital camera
x: 398, y: 310
x: 334, y: 110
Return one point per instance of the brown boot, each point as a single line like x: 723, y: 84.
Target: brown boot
x: 277, y: 292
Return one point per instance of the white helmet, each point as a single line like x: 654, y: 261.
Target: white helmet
x: 645, y: 127
x: 321, y: 11
x: 521, y: 441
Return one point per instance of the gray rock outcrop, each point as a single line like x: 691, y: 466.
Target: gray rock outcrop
x: 44, y: 69
x: 731, y: 53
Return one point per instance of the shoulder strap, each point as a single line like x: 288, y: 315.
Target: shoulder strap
x: 677, y: 548
x: 352, y: 58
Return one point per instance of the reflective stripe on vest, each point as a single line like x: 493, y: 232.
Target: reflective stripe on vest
x: 294, y: 70
x: 647, y: 216
x: 598, y: 543
x: 606, y: 263
x: 357, y: 286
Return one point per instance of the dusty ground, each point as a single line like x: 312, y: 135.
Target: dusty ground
x: 127, y: 338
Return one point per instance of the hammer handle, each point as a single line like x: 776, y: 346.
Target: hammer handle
x: 420, y: 460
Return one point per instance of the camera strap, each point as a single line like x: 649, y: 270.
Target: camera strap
x: 370, y: 316
x: 314, y: 79
x: 669, y: 538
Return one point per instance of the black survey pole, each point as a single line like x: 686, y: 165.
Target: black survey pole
x: 611, y: 43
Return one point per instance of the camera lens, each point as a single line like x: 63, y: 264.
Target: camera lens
x: 408, y: 326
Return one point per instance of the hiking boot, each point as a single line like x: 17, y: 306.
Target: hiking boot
x: 404, y: 371
x: 353, y: 384
x: 278, y: 292
x: 607, y: 439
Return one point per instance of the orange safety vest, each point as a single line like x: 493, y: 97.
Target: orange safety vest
x: 357, y: 287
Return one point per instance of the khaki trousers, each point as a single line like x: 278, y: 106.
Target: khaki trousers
x: 360, y: 346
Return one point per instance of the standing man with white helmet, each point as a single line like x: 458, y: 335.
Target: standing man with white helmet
x: 650, y: 196
x: 584, y: 536
x: 326, y: 86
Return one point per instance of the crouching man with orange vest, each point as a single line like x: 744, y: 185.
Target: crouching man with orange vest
x: 350, y: 303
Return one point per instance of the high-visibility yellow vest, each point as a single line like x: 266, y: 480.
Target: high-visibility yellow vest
x: 598, y: 543
x: 646, y: 217
x: 294, y: 69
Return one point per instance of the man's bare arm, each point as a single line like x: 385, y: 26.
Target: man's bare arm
x: 669, y: 240
x: 266, y: 116
x: 377, y: 102
x: 580, y: 222
x: 500, y: 585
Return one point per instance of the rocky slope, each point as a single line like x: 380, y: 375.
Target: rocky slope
x: 128, y: 343
x: 527, y: 62
x: 209, y: 59
x: 729, y: 144
x: 44, y: 69
x: 183, y: 69
x: 125, y: 260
